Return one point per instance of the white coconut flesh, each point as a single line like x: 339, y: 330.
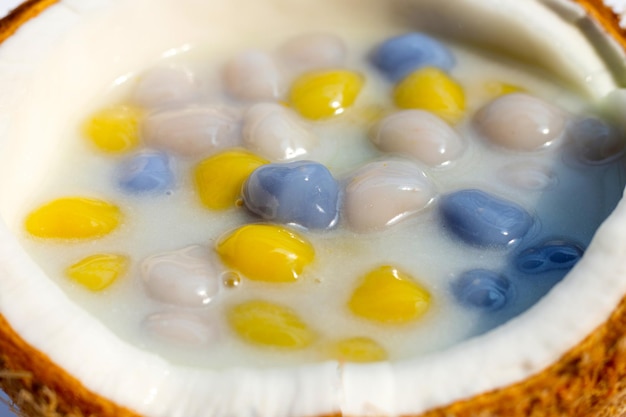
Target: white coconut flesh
x: 53, y: 67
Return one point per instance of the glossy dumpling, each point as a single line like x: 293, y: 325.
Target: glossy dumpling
x: 595, y: 142
x: 165, y: 86
x: 193, y: 131
x: 433, y: 90
x: 266, y: 252
x: 219, y: 178
x: 324, y: 94
x: 277, y: 133
x: 302, y: 192
x: 398, y: 56
x: 520, y: 122
x: 146, y: 172
x: 264, y: 323
x: 253, y: 75
x: 186, y: 277
x: 483, y: 289
x: 418, y: 134
x: 313, y: 51
x: 552, y: 255
x: 97, y: 272
x: 181, y: 328
x: 389, y: 295
x: 528, y: 176
x: 71, y: 218
x: 483, y: 219
x: 383, y: 193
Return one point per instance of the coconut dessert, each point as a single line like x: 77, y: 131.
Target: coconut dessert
x: 390, y: 208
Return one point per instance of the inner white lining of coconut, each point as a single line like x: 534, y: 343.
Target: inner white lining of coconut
x: 48, y: 71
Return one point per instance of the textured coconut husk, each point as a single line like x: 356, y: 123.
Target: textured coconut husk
x: 21, y: 14
x: 587, y: 381
x: 609, y: 20
x: 40, y: 388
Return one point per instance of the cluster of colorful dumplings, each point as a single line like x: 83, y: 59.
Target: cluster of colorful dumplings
x: 257, y: 151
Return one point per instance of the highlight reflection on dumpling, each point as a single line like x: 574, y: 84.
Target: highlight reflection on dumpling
x: 253, y: 75
x: 165, y: 86
x: 182, y: 328
x: 187, y: 277
x: 277, y: 133
x: 382, y: 193
x: 418, y: 134
x: 313, y: 51
x: 520, y: 122
x: 192, y: 131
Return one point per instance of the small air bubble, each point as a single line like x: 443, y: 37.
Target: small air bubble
x: 231, y: 279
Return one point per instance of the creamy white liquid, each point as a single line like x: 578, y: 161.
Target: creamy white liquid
x: 155, y: 224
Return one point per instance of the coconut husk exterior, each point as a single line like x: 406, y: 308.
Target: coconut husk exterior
x: 40, y: 388
x: 25, y: 11
x: 587, y: 381
x: 609, y: 20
